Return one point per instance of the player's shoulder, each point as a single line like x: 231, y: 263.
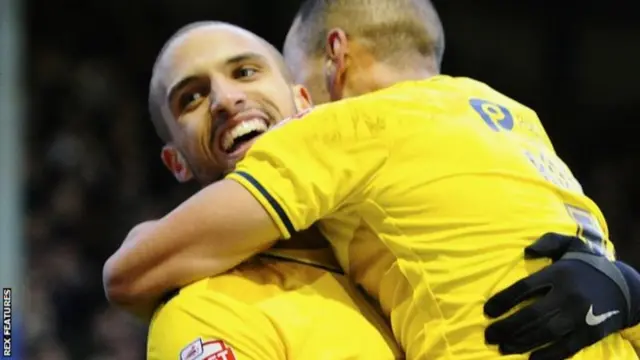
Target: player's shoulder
x: 479, y: 89
x: 444, y: 86
x: 430, y: 95
x: 441, y: 88
x: 324, y: 113
x: 353, y: 107
x: 424, y: 92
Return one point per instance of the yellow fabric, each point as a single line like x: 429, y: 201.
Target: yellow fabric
x: 271, y: 309
x: 428, y: 192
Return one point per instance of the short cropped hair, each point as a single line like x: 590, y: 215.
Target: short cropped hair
x: 393, y: 30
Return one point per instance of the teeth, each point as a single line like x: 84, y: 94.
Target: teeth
x: 243, y: 128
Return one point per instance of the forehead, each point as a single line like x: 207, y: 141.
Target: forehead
x: 207, y: 48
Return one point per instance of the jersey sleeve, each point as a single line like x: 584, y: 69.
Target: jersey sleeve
x: 307, y: 168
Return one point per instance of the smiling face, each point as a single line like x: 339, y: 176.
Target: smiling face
x: 220, y: 87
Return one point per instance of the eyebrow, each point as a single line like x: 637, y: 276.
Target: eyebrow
x: 248, y: 56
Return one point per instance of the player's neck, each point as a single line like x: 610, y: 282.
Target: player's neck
x: 381, y: 76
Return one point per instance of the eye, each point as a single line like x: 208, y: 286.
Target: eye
x: 245, y: 72
x: 189, y: 99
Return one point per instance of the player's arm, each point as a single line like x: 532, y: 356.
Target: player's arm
x: 213, y: 231
x: 142, y: 310
x: 291, y: 177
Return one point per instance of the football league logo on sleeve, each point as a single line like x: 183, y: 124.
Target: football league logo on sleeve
x: 192, y: 351
x: 209, y: 350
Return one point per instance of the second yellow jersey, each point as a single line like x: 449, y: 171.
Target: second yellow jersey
x: 428, y: 192
x: 271, y: 307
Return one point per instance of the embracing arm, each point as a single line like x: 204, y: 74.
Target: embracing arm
x: 213, y: 231
x: 142, y: 310
x: 292, y: 176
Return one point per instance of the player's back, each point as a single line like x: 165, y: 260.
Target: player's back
x: 272, y: 307
x: 470, y: 180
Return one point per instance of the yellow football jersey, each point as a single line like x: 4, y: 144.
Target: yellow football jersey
x: 270, y: 308
x: 428, y: 192
x: 633, y: 335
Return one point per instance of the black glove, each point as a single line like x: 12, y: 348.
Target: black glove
x: 581, y: 298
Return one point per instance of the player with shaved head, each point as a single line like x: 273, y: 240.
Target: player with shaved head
x: 215, y: 87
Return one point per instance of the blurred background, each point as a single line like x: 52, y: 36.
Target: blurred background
x: 91, y: 160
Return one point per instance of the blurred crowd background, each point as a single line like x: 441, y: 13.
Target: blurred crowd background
x: 93, y: 167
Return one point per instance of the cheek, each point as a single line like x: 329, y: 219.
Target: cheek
x: 195, y: 124
x: 290, y: 108
x: 194, y: 134
x: 198, y: 156
x: 279, y: 101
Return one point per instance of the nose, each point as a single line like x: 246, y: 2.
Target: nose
x: 226, y: 99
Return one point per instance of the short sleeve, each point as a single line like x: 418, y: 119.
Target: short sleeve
x: 308, y: 168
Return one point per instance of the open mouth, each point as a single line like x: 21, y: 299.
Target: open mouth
x: 241, y: 134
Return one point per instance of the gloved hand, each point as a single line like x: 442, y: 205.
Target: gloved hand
x: 581, y: 298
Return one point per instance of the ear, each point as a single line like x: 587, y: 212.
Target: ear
x: 336, y: 49
x: 175, y: 162
x: 302, y: 98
